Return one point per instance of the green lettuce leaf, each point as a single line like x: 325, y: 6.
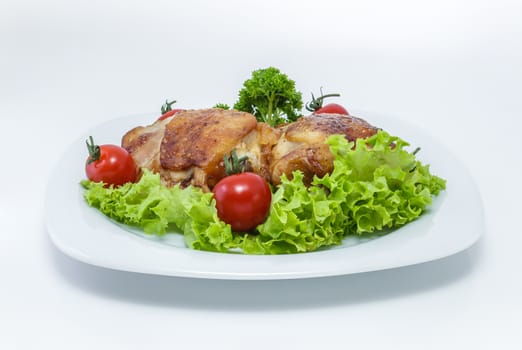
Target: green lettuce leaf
x: 157, y: 209
x: 376, y: 185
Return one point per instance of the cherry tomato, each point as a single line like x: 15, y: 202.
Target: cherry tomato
x: 332, y: 108
x: 167, y: 111
x: 110, y: 164
x: 170, y: 113
x: 316, y: 105
x: 242, y: 200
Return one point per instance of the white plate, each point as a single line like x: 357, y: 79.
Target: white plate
x: 453, y: 223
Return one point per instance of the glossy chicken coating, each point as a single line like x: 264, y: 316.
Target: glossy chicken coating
x: 188, y: 148
x: 143, y: 143
x: 302, y: 144
x: 192, y: 145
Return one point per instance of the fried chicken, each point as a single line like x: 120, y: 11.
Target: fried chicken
x: 188, y: 148
x: 302, y: 144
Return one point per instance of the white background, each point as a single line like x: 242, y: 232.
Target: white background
x: 453, y: 68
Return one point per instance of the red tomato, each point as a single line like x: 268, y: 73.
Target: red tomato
x: 242, y: 200
x: 316, y: 105
x: 167, y: 111
x: 170, y: 113
x: 332, y: 108
x: 110, y: 164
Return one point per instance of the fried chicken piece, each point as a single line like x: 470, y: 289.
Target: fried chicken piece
x: 143, y: 143
x: 302, y: 144
x: 196, y: 141
x: 189, y: 147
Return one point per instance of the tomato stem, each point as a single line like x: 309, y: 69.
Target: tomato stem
x: 94, y: 150
x: 167, y: 106
x: 414, y: 153
x: 233, y: 164
x: 317, y: 103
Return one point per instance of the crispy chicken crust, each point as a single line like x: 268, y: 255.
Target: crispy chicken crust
x: 188, y: 148
x: 302, y: 144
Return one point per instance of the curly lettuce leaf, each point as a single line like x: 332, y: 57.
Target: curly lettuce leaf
x: 376, y: 185
x: 157, y: 209
x: 301, y: 219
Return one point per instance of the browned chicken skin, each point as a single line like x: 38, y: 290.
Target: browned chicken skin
x: 192, y: 144
x: 302, y: 144
x: 188, y: 148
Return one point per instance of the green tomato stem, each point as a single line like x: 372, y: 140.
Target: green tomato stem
x: 167, y: 106
x: 233, y: 164
x: 317, y: 103
x: 94, y: 150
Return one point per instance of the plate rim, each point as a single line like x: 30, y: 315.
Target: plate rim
x: 259, y: 267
